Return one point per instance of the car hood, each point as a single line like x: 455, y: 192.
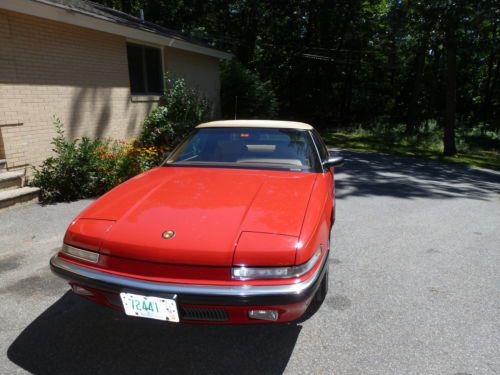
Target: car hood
x: 207, y: 208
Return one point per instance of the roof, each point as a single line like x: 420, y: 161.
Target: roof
x: 256, y: 124
x: 68, y: 10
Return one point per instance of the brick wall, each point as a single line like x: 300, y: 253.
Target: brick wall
x: 49, y: 68
x: 199, y: 71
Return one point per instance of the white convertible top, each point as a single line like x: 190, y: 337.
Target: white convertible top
x: 256, y: 124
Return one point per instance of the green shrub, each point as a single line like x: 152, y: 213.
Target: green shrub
x: 255, y: 99
x: 82, y: 168
x: 145, y: 157
x: 86, y: 168
x: 181, y: 108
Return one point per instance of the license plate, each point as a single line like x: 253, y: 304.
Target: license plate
x: 150, y: 307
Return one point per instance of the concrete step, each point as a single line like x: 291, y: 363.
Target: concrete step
x: 3, y: 165
x: 18, y: 197
x: 11, y: 180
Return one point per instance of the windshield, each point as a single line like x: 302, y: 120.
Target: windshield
x: 258, y: 148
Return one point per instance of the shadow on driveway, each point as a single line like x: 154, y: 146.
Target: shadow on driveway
x: 374, y: 174
x: 75, y: 336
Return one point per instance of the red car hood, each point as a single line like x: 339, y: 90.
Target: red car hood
x: 208, y: 208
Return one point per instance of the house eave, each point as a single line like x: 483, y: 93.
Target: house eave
x: 54, y: 12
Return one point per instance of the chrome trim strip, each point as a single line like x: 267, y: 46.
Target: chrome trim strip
x: 191, y: 289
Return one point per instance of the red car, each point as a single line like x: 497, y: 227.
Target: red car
x: 234, y: 227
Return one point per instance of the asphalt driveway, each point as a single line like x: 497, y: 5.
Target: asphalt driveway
x: 414, y: 289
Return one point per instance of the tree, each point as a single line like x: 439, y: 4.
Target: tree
x: 244, y: 95
x: 347, y: 62
x: 450, y: 147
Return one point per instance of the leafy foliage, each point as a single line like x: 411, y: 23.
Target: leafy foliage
x: 341, y: 63
x: 86, y: 168
x: 243, y: 93
x: 181, y: 108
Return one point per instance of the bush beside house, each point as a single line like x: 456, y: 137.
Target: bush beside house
x: 180, y: 110
x: 86, y: 167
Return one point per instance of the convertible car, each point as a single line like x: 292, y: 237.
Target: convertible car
x: 234, y: 227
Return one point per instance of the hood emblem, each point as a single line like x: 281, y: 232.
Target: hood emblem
x: 168, y: 234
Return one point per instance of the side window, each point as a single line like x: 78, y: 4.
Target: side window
x: 145, y: 69
x: 323, y: 151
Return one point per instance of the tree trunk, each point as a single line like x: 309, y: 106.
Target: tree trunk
x: 493, y: 89
x: 345, y: 104
x: 450, y: 148
x: 250, y: 27
x: 484, y: 113
x: 417, y: 86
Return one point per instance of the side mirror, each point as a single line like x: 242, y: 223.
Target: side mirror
x: 334, y: 161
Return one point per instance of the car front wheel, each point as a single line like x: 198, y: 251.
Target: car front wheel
x: 322, y: 291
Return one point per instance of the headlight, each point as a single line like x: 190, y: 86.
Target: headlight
x: 248, y: 273
x: 89, y: 256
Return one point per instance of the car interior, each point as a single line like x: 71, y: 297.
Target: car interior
x: 250, y: 147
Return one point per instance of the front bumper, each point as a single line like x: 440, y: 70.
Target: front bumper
x: 232, y: 298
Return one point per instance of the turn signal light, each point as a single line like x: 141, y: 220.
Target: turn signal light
x: 255, y: 273
x: 81, y: 291
x: 263, y: 314
x: 89, y: 256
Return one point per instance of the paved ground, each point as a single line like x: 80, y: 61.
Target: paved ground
x: 414, y: 289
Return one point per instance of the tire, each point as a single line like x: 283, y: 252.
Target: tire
x: 322, y: 291
x: 334, y: 215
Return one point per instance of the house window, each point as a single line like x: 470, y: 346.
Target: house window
x: 145, y: 70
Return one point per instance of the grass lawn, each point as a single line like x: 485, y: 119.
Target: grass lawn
x: 475, y: 155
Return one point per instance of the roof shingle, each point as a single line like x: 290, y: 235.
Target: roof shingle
x: 112, y: 15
